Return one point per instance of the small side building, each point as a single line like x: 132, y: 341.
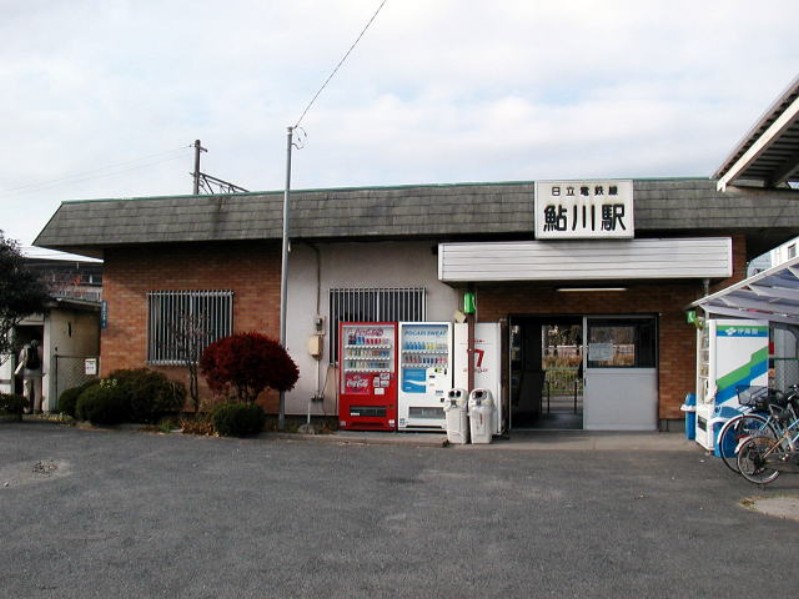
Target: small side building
x: 68, y: 330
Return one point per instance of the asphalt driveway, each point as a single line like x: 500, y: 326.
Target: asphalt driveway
x: 87, y: 513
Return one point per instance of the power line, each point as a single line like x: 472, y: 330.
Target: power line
x: 110, y: 170
x: 284, y: 264
x: 340, y: 62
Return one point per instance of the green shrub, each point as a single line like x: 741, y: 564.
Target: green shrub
x: 12, y: 404
x: 150, y: 395
x: 69, y: 398
x: 235, y: 419
x: 102, y: 404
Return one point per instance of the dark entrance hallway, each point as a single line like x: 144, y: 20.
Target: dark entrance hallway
x: 546, y: 373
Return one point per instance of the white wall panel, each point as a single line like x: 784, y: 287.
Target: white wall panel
x: 357, y: 265
x: 707, y: 257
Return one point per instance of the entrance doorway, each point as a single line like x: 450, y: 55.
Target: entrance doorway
x: 574, y: 372
x: 23, y: 335
x: 546, y: 368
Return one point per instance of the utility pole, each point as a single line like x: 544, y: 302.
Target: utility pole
x: 284, y: 270
x: 205, y: 181
x: 197, y: 149
x: 281, y: 416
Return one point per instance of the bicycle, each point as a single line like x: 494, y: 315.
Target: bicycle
x: 761, y: 458
x: 761, y: 408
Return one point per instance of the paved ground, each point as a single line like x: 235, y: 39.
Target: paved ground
x: 124, y: 514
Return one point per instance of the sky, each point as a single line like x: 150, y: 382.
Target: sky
x: 104, y: 98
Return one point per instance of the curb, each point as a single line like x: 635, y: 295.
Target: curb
x: 365, y: 438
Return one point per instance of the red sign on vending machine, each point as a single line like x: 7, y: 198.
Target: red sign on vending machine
x: 367, y: 367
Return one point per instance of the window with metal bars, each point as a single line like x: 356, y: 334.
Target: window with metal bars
x: 181, y: 324
x: 383, y: 304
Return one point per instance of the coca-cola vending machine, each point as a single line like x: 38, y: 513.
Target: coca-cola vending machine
x: 368, y: 376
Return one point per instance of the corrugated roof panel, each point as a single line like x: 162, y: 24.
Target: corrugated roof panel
x: 770, y: 295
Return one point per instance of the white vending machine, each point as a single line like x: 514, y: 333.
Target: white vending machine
x: 732, y: 354
x: 487, y: 364
x: 425, y: 375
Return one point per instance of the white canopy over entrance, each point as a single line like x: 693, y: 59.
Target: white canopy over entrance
x: 771, y: 295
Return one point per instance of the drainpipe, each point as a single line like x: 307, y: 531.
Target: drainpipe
x: 471, y: 315
x: 319, y: 331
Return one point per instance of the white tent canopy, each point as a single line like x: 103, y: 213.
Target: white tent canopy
x: 771, y: 295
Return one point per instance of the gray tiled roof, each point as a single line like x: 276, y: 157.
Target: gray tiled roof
x: 662, y: 206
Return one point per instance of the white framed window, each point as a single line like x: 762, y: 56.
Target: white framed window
x: 379, y: 304
x: 181, y: 324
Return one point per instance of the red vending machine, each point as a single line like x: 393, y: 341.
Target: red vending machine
x: 368, y: 376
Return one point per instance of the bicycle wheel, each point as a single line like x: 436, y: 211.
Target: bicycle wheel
x: 736, y: 430
x: 752, y: 464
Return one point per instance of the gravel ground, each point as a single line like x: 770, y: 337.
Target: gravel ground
x: 88, y: 513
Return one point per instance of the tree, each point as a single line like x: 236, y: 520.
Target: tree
x: 21, y: 293
x: 247, y: 364
x: 190, y: 333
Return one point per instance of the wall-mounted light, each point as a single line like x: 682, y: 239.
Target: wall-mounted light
x: 589, y: 289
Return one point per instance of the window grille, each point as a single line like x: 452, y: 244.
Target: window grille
x: 181, y: 324
x: 389, y: 304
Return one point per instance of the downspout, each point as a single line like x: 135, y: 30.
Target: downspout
x: 471, y: 317
x: 320, y: 329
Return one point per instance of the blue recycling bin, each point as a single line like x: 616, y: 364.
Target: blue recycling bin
x: 689, y: 407
x: 721, y: 414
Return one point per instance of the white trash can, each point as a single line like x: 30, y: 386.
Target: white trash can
x: 481, y: 415
x: 455, y: 409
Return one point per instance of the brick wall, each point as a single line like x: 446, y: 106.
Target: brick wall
x: 677, y: 339
x: 250, y: 270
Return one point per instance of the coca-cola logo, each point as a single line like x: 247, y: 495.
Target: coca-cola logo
x: 357, y: 382
x: 372, y: 332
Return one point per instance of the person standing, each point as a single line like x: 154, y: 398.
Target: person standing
x: 30, y: 367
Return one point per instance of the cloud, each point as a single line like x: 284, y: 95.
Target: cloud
x: 434, y: 92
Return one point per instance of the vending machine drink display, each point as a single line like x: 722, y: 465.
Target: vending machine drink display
x: 732, y: 355
x: 425, y: 374
x: 368, y: 378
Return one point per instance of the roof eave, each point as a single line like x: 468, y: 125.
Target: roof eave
x: 775, y: 121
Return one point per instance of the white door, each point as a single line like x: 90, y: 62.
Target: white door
x: 620, y: 370
x: 7, y: 374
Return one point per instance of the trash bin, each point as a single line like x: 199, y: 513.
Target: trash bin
x: 689, y: 407
x: 455, y: 409
x: 721, y: 414
x: 481, y: 412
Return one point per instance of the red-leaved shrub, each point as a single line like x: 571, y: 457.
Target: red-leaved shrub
x: 246, y: 364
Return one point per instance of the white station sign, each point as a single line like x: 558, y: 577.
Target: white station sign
x: 584, y: 209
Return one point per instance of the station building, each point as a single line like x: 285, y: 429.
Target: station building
x: 594, y: 274
x: 616, y: 261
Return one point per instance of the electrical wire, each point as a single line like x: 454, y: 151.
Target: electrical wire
x: 340, y: 62
x: 101, y: 172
